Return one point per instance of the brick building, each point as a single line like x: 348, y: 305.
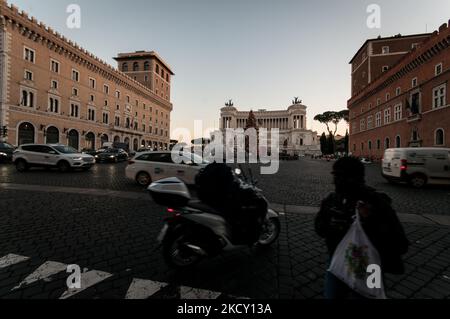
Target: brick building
x: 399, y: 93
x: 54, y: 91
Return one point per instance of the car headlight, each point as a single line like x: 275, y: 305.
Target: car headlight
x: 3, y: 154
x: 112, y: 156
x: 77, y: 158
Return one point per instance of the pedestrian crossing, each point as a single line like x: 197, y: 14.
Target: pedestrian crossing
x: 138, y: 289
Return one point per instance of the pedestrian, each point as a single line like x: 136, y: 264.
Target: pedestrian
x: 379, y: 221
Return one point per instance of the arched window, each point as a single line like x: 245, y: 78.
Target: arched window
x: 90, y: 141
x: 116, y: 139
x: 387, y: 143
x: 439, y: 137
x: 52, y: 135
x: 125, y: 67
x: 135, y: 66
x: 104, y: 139
x: 398, y: 141
x: 146, y: 66
x: 26, y: 134
x: 73, y: 139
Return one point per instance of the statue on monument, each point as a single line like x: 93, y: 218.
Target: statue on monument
x: 229, y: 103
x: 296, y: 101
x: 251, y: 122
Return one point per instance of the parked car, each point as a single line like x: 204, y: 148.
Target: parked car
x: 91, y: 151
x: 53, y: 156
x: 112, y: 155
x: 147, y: 167
x: 417, y: 166
x: 6, y: 152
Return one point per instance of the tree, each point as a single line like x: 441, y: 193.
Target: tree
x: 332, y: 118
x: 323, y: 144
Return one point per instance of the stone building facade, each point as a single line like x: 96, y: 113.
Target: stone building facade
x: 295, y: 138
x: 54, y: 91
x: 407, y: 104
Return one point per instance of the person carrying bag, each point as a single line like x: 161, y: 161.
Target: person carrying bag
x: 376, y: 220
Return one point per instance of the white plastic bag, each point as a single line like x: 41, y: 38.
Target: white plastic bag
x: 352, y: 258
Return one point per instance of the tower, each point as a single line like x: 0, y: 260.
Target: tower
x: 149, y: 69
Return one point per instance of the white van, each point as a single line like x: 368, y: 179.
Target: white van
x: 417, y: 166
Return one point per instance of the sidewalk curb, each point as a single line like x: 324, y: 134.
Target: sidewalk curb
x: 427, y: 219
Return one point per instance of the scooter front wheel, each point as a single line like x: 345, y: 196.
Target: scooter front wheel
x: 270, y: 232
x: 176, y: 252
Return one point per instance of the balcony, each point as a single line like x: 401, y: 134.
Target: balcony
x: 414, y: 118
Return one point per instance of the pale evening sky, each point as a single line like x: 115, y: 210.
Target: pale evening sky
x: 259, y: 53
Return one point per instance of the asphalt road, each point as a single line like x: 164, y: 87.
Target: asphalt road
x: 305, y: 182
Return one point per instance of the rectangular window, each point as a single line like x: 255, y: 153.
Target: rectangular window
x: 388, y: 96
x: 117, y: 121
x: 75, y: 75
x: 387, y: 116
x: 362, y: 125
x: 385, y: 50
x: 439, y: 94
x: 369, y: 122
x: 105, y: 118
x: 54, y: 84
x: 105, y: 89
x: 54, y: 66
x: 385, y: 68
x: 378, y: 119
x: 438, y: 69
x: 91, y: 114
x: 398, y: 91
x: 118, y: 94
x: 398, y: 112
x: 378, y: 101
x: 29, y: 55
x: 27, y: 98
x: 53, y: 105
x: 414, y: 82
x: 92, y: 98
x: 74, y: 110
x: 28, y: 75
x: 74, y: 91
x: 128, y: 99
x: 92, y: 83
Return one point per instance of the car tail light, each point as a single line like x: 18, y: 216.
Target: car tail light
x: 404, y: 165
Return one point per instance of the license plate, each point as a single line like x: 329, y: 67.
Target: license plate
x: 163, y: 233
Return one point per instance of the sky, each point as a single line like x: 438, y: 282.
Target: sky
x: 259, y: 53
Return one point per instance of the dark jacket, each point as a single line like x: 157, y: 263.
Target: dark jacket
x: 382, y: 226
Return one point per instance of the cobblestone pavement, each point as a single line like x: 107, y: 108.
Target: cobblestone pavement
x: 305, y: 183
x: 113, y: 237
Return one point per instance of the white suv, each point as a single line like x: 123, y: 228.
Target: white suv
x: 147, y: 167
x: 58, y: 156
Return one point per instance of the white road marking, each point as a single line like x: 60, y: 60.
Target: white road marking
x: 188, y: 293
x: 143, y: 289
x: 44, y: 272
x: 139, y: 288
x: 88, y: 279
x: 11, y: 259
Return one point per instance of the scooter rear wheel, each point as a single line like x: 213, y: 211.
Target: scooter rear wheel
x: 270, y: 232
x: 177, y: 254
